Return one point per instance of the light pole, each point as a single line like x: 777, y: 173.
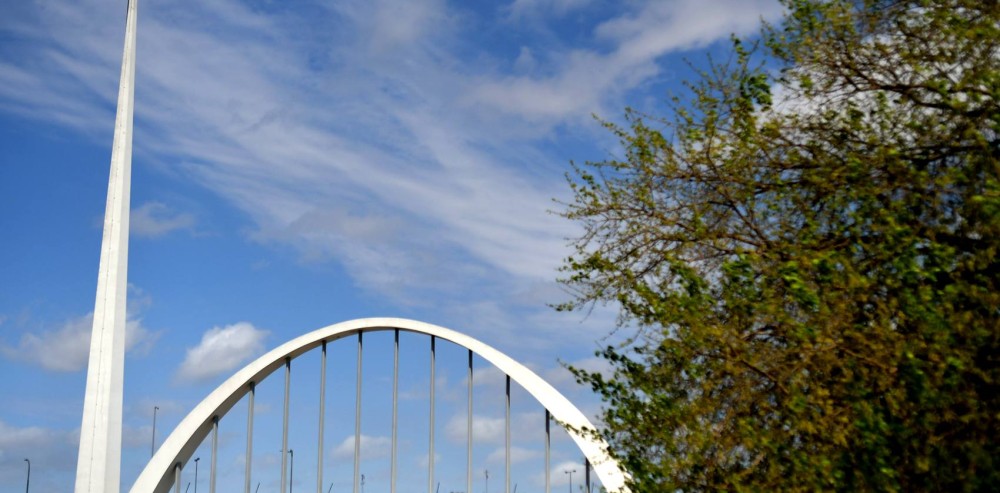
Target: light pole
x: 486, y: 472
x: 570, y: 472
x: 152, y: 442
x: 196, y: 459
x: 291, y: 470
x: 27, y: 483
x: 362, y: 483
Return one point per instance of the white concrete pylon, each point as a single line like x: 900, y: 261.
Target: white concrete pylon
x: 99, y: 461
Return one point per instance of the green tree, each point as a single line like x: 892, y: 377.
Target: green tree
x: 813, y: 280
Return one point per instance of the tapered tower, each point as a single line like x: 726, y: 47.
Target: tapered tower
x: 99, y: 462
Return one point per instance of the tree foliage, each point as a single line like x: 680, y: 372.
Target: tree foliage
x: 808, y: 254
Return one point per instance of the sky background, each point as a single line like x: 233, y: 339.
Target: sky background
x: 301, y: 163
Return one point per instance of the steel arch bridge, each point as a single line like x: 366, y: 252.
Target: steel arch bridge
x: 164, y: 470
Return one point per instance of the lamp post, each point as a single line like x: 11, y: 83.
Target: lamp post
x: 362, y: 483
x: 196, y: 459
x: 486, y: 472
x: 291, y: 470
x: 570, y: 472
x: 152, y: 441
x: 27, y: 483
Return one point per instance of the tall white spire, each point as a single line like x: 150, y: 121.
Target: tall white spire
x: 99, y: 462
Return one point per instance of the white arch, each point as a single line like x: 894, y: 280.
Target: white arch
x: 182, y: 442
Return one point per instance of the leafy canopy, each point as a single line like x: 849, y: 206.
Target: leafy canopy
x: 809, y: 255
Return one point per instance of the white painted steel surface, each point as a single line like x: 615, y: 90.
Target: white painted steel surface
x: 183, y: 441
x: 98, y: 468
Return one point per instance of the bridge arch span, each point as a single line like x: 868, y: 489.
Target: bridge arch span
x: 181, y: 444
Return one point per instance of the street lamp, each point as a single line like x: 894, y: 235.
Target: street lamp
x: 362, y: 483
x: 291, y: 470
x: 196, y: 459
x: 570, y: 472
x: 486, y: 472
x: 152, y: 442
x: 27, y: 483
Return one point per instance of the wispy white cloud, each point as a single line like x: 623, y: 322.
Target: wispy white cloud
x: 583, y: 80
x: 372, y: 447
x: 484, y: 429
x: 63, y: 349
x: 221, y: 350
x: 155, y: 219
x: 423, y: 462
x: 67, y: 348
x: 532, y: 8
x: 50, y: 450
x: 380, y: 140
x: 397, y: 23
x: 15, y: 440
x: 517, y: 454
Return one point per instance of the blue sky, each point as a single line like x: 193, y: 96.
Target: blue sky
x: 302, y: 163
